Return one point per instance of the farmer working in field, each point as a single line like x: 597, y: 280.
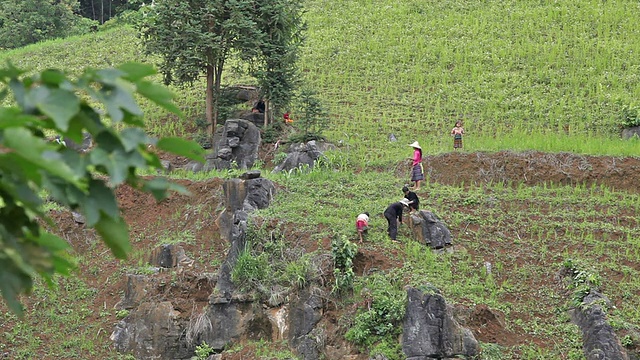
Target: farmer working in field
x: 393, y: 214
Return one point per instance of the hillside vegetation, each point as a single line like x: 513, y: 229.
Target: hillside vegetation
x: 549, y: 76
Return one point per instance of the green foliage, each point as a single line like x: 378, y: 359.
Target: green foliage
x: 582, y: 281
x: 269, y: 262
x: 121, y: 314
x: 49, y: 102
x: 250, y: 270
x: 379, y: 322
x: 203, y: 351
x: 30, y: 21
x: 311, y: 118
x: 343, y: 251
x: 630, y: 116
x: 275, y: 66
x: 272, y: 132
x: 200, y: 36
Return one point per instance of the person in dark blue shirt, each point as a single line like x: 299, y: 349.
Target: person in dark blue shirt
x: 393, y: 214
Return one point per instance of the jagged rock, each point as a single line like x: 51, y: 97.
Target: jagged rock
x: 78, y: 218
x: 241, y: 196
x: 430, y: 331
x: 599, y: 341
x: 428, y: 229
x: 193, y: 166
x: 305, y: 313
x: 237, y: 142
x: 303, y: 154
x: 169, y: 256
x: 631, y: 132
x: 237, y: 320
x: 253, y: 174
x: 134, y: 292
x: 260, y: 192
x: 152, y: 331
x: 166, y: 166
x: 255, y: 118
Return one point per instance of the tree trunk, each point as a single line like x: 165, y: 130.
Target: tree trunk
x: 216, y: 91
x: 211, y: 122
x: 267, y: 111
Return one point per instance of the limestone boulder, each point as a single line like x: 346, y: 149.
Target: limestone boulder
x: 599, y: 341
x: 428, y: 229
x: 234, y: 144
x: 631, y: 132
x: 302, y: 155
x: 152, y: 331
x: 430, y: 330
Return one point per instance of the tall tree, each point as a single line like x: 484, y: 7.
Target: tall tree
x: 280, y: 22
x: 199, y: 36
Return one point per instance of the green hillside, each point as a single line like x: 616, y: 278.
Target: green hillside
x: 521, y: 75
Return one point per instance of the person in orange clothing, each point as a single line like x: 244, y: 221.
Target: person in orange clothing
x: 287, y: 118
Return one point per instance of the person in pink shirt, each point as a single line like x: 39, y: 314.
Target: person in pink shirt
x: 417, y: 173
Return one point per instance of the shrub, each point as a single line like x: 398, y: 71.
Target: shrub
x: 311, y: 118
x: 629, y: 116
x: 379, y: 322
x: 203, y: 351
x: 343, y: 252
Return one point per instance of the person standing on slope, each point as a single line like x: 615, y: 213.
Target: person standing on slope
x: 417, y: 173
x: 457, y: 133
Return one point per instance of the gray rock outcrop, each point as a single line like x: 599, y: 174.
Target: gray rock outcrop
x: 306, y: 311
x: 153, y: 331
x: 430, y: 331
x: 237, y: 142
x: 599, y: 341
x: 301, y: 155
x: 169, y: 256
x: 428, y: 229
x: 631, y: 132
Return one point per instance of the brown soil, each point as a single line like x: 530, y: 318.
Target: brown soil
x: 196, y: 213
x: 534, y: 168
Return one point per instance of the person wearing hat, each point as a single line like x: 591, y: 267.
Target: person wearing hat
x: 417, y: 173
x: 414, y: 202
x: 393, y: 214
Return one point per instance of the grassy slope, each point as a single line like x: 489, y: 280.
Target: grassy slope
x: 411, y: 68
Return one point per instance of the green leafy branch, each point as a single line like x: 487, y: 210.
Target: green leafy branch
x: 50, y: 103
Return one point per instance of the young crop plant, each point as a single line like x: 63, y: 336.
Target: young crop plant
x: 343, y: 251
x: 582, y: 281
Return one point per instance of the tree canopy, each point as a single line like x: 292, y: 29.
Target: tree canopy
x: 199, y: 36
x: 30, y: 21
x: 48, y: 104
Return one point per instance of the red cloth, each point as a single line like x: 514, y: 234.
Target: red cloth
x: 360, y: 224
